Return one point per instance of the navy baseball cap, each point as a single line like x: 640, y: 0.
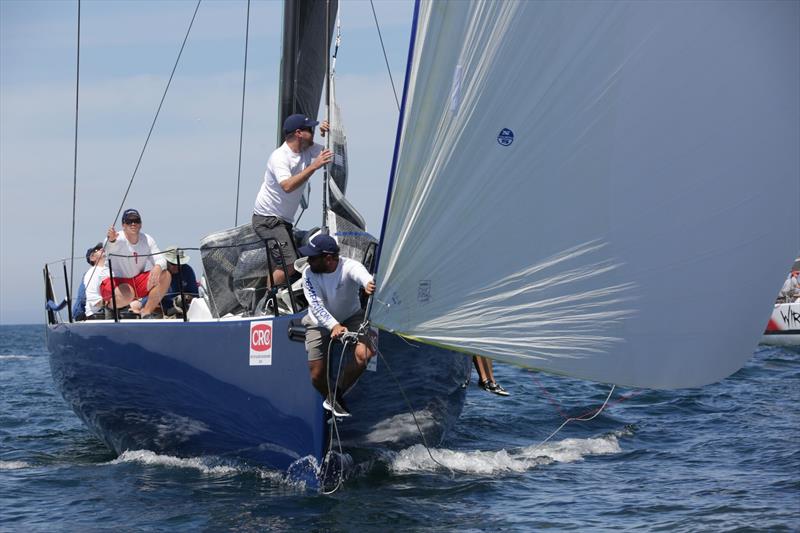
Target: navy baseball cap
x: 297, y: 122
x: 320, y: 244
x: 93, y: 249
x: 130, y: 214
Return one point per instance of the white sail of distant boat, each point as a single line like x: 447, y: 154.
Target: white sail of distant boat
x: 609, y: 191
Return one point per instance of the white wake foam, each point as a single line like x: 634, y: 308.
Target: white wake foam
x: 400, y: 427
x: 13, y: 465
x: 206, y: 465
x: 416, y: 458
x: 147, y: 457
x: 15, y: 357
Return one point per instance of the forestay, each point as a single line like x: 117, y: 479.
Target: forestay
x: 605, y: 190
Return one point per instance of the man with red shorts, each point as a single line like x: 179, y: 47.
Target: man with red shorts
x: 137, y: 264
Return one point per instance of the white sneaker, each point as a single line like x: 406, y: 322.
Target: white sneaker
x: 337, y: 409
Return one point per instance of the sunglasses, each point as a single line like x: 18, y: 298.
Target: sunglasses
x: 132, y: 221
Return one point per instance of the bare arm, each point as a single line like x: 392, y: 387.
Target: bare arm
x: 297, y: 181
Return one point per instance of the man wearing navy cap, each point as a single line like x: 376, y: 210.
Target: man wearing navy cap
x: 289, y: 168
x: 331, y: 285
x: 138, y: 266
x: 95, y: 256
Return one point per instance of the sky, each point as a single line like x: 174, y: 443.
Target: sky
x: 186, y: 185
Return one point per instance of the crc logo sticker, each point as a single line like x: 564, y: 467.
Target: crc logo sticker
x: 505, y: 137
x: 261, y: 343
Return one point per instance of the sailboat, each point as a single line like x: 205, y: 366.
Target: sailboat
x: 232, y: 380
x: 569, y: 179
x: 783, y: 328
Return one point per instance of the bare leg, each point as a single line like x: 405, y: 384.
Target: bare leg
x: 487, y: 367
x: 319, y: 375
x: 484, y: 367
x: 124, y: 295
x: 486, y: 375
x: 355, y: 366
x: 279, y: 277
x: 157, y: 292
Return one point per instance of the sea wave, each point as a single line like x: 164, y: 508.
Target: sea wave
x: 15, y: 357
x: 203, y: 464
x: 207, y: 465
x: 14, y: 465
x: 417, y: 459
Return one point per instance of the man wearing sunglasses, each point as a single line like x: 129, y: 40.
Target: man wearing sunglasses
x: 289, y: 168
x: 331, y: 286
x: 137, y: 264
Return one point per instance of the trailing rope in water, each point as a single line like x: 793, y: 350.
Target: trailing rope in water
x: 578, y: 418
x: 581, y: 418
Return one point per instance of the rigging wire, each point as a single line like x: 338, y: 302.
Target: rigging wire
x: 155, y: 118
x: 149, y: 133
x: 410, y: 408
x: 385, y: 58
x: 75, y: 152
x: 241, y: 122
x: 326, y: 169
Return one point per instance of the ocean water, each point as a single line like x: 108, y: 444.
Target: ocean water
x: 724, y: 457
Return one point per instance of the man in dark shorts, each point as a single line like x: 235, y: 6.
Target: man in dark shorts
x: 289, y: 168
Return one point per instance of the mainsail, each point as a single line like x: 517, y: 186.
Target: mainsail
x: 609, y: 191
x: 303, y: 59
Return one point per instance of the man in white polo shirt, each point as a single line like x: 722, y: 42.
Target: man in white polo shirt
x: 137, y: 264
x: 289, y: 168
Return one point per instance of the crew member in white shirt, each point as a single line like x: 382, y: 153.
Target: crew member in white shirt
x: 331, y: 285
x: 92, y: 279
x: 289, y: 167
x: 137, y: 264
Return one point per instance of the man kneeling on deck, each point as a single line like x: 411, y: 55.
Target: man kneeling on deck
x: 331, y: 287
x: 139, y: 269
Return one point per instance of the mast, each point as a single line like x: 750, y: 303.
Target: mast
x: 307, y: 31
x: 327, y: 115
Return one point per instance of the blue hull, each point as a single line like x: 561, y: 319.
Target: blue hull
x: 189, y: 389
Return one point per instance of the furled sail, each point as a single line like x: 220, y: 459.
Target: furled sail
x: 609, y: 191
x: 337, y: 183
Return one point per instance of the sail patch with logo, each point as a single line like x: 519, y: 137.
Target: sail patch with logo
x: 424, y: 291
x: 505, y: 137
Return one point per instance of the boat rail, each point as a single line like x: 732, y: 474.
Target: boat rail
x: 52, y: 307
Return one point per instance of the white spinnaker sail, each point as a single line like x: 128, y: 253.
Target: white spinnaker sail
x: 609, y: 191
